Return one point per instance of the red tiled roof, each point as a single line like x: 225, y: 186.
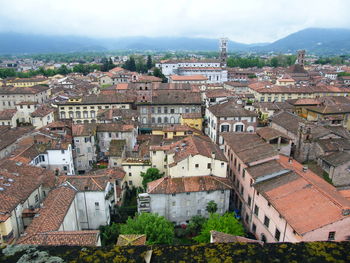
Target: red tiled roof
x: 192, y: 145
x: 168, y: 185
x: 64, y: 238
x: 131, y: 240
x: 305, y: 200
x: 94, y: 181
x: 188, y: 78
x: 7, y: 114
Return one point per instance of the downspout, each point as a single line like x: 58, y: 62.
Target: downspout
x: 87, y: 217
x: 285, y: 228
x: 76, y: 216
x: 251, y: 209
x: 18, y: 234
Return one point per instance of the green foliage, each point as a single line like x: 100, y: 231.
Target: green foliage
x: 331, y: 60
x: 150, y: 175
x: 158, y: 73
x: 130, y: 64
x: 195, y: 225
x: 212, y: 207
x: 157, y: 228
x: 226, y: 223
x: 342, y: 74
x: 109, y: 234
x: 325, y: 176
x: 149, y: 62
x: 107, y: 64
x: 245, y: 62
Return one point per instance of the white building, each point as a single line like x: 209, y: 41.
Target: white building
x: 179, y: 199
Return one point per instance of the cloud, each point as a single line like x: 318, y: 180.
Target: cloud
x: 245, y: 21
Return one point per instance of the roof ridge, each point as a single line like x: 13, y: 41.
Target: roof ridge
x: 160, y: 181
x: 217, y: 179
x: 315, y: 184
x: 96, y: 183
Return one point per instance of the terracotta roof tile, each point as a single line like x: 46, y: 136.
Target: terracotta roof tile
x: 131, y: 240
x: 168, y: 185
x: 304, y: 199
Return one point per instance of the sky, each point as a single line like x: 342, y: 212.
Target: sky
x: 247, y: 21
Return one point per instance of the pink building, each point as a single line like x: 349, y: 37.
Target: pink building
x: 280, y: 200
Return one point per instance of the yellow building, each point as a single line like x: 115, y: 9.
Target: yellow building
x: 84, y: 109
x: 331, y: 114
x: 176, y: 130
x: 193, y: 120
x: 267, y: 92
x: 27, y: 82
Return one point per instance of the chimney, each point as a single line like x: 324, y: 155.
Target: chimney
x: 290, y: 160
x: 305, y: 168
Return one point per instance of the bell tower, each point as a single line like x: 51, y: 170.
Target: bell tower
x: 223, y: 51
x: 301, y: 58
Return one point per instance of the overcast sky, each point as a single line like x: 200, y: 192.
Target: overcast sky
x: 247, y: 21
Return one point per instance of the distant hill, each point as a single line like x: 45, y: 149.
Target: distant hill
x: 14, y: 43
x: 315, y: 40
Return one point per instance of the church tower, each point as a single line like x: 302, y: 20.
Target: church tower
x: 223, y: 51
x: 301, y: 58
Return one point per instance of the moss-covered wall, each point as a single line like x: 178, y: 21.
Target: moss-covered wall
x: 316, y: 252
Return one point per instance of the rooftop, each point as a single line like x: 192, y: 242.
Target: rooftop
x: 168, y: 185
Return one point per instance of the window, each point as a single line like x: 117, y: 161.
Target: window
x: 256, y: 210
x: 225, y: 128
x: 266, y: 221
x: 130, y: 174
x: 159, y: 110
x: 130, y: 182
x: 277, y: 235
x: 209, y: 165
x: 78, y: 150
x: 165, y: 109
x: 199, y: 212
x: 36, y: 198
x: 62, y: 151
x: 97, y: 206
x: 65, y: 168
x: 331, y: 235
x: 249, y: 201
x: 174, y: 203
x: 110, y: 135
x: 243, y: 174
x: 188, y: 193
x: 254, y: 228
x: 196, y: 165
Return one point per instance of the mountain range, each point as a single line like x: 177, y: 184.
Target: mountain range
x: 319, y: 41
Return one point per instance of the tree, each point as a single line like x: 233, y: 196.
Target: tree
x: 158, y: 73
x: 109, y: 234
x: 195, y: 225
x: 150, y: 175
x: 157, y: 229
x: 130, y: 64
x: 212, y: 207
x: 274, y: 62
x: 226, y: 223
x: 63, y: 70
x: 149, y: 62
